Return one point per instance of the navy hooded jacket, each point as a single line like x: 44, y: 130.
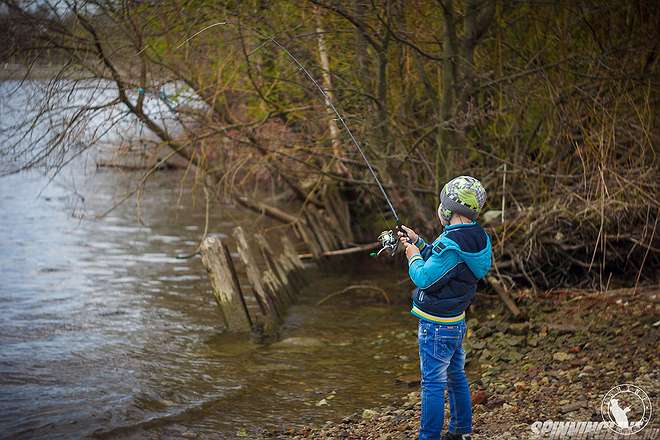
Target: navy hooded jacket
x: 446, y: 272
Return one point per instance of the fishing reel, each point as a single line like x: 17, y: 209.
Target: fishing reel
x: 389, y: 242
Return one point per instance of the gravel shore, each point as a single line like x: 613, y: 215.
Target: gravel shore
x: 556, y: 364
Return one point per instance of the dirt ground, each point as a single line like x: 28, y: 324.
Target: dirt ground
x: 557, y: 363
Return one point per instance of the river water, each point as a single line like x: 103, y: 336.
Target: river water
x: 104, y: 333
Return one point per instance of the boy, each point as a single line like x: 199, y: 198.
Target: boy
x: 446, y: 274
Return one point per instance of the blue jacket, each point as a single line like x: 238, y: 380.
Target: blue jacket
x: 446, y: 272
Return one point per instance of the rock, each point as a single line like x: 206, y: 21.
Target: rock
x: 322, y: 402
x: 511, y: 356
x: 412, y: 397
x: 515, y: 341
x: 480, y: 396
x: 411, y: 380
x: 519, y: 386
x: 519, y: 328
x: 478, y: 345
x: 484, y: 332
x: 562, y: 329
x: 570, y: 407
x: 368, y: 414
x: 561, y: 356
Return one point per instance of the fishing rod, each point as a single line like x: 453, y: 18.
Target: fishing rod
x: 388, y: 239
x: 328, y: 101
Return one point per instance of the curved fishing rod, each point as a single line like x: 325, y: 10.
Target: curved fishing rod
x: 328, y: 102
x: 388, y: 239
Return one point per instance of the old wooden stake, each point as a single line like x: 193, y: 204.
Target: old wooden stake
x: 226, y: 289
x: 262, y: 292
x: 289, y: 252
x: 277, y: 270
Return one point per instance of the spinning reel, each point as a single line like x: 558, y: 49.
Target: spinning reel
x: 389, y: 242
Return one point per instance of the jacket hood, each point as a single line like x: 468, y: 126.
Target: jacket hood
x: 478, y: 262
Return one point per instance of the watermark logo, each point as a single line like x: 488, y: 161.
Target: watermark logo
x: 628, y: 409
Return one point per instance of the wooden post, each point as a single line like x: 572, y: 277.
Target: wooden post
x: 338, y: 207
x: 263, y: 294
x: 309, y: 238
x: 316, y: 231
x: 226, y: 288
x: 328, y: 230
x: 289, y: 252
x: 275, y: 267
x: 294, y: 283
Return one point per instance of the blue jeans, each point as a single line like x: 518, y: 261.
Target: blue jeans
x: 442, y: 362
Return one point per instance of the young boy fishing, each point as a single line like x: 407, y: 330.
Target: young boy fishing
x: 446, y: 274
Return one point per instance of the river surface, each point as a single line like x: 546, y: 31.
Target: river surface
x: 104, y: 333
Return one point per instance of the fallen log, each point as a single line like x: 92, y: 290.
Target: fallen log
x: 504, y: 296
x: 345, y: 251
x: 137, y: 167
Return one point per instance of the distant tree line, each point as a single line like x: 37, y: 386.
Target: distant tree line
x: 551, y: 103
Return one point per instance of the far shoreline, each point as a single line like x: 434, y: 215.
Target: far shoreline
x: 38, y: 72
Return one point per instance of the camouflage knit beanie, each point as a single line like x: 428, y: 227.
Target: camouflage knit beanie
x: 462, y: 195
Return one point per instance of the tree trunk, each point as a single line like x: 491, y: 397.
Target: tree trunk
x: 446, y: 138
x: 329, y: 94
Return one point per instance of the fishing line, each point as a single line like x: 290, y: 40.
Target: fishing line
x: 328, y: 102
x: 387, y: 238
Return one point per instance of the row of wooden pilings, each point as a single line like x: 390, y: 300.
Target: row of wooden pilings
x: 275, y: 279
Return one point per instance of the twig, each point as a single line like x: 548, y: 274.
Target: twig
x: 641, y: 267
x: 356, y: 287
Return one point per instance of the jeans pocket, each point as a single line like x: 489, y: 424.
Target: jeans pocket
x: 450, y: 332
x: 443, y: 348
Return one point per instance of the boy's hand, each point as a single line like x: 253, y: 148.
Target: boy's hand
x: 410, y: 237
x: 411, y: 249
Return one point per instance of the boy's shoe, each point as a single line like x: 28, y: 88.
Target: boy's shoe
x: 456, y: 436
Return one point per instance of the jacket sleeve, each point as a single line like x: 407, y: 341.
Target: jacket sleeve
x: 436, y: 269
x: 424, y: 248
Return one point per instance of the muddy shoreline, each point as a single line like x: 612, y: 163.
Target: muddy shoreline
x: 556, y: 365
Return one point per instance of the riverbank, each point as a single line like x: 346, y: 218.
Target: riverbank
x: 557, y: 365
